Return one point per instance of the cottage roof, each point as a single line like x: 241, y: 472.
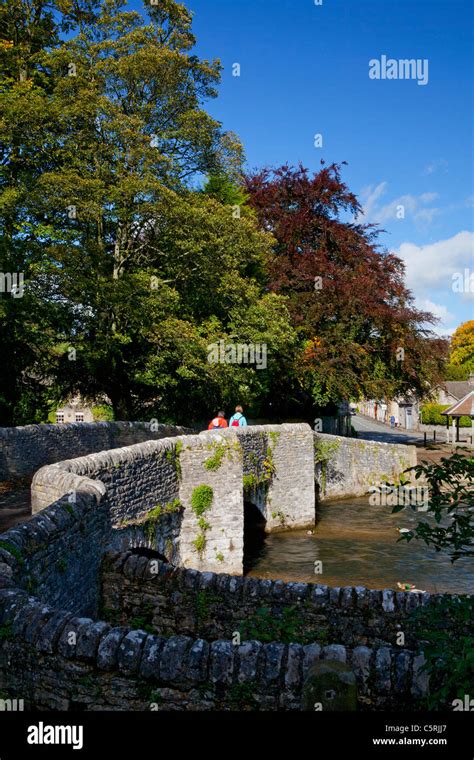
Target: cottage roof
x: 457, y: 388
x: 464, y: 406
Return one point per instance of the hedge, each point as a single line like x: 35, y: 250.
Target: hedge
x: 430, y: 414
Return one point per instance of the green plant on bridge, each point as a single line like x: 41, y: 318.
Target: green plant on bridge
x: 202, y: 603
x: 274, y: 436
x: 200, y: 543
x: 173, y: 455
x: 280, y: 516
x: 201, y: 501
x: 13, y: 550
x: 215, y: 461
x: 255, y: 479
x: 144, y: 620
x: 152, y: 518
x: 323, y: 452
x: 221, y: 449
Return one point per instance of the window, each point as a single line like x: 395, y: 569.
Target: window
x: 59, y: 417
x: 79, y: 417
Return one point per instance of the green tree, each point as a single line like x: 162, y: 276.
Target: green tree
x: 134, y: 274
x: 225, y: 190
x: 31, y: 319
x: 455, y: 372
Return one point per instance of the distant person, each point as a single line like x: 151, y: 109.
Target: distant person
x: 238, y: 419
x: 396, y: 421
x: 392, y: 421
x: 218, y: 422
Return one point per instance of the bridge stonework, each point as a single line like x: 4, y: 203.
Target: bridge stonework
x: 131, y: 482
x: 58, y: 645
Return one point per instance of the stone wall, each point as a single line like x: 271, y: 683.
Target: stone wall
x: 441, y: 431
x: 171, y: 601
x: 56, y: 652
x: 55, y: 658
x: 24, y: 449
x: 213, y: 460
x: 56, y: 555
x: 349, y: 467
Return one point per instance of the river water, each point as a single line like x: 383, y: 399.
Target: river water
x: 357, y: 546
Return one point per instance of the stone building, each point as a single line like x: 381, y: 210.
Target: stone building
x: 75, y: 410
x: 452, y: 391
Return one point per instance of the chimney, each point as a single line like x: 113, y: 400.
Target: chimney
x: 470, y: 379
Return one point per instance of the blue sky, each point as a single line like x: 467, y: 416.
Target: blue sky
x: 409, y: 146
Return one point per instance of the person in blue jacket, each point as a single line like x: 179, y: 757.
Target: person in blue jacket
x: 238, y: 419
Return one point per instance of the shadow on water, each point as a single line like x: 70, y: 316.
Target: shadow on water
x: 357, y: 544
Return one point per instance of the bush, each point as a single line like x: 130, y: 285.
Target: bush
x: 430, y: 414
x: 103, y: 413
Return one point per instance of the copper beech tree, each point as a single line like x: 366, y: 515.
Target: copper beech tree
x: 360, y: 333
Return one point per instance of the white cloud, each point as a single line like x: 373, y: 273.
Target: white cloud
x: 404, y: 206
x: 428, y: 197
x: 439, y: 164
x: 370, y: 196
x: 426, y: 215
x: 445, y: 325
x: 439, y: 310
x: 432, y: 266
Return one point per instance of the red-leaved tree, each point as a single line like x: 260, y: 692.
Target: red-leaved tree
x: 346, y: 294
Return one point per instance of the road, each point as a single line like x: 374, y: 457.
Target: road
x: 371, y: 430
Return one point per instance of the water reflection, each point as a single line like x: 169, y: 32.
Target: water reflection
x: 357, y: 544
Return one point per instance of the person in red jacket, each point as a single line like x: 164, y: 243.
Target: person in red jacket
x: 218, y: 422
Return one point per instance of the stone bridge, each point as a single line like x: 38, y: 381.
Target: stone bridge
x: 83, y: 580
x: 183, y: 496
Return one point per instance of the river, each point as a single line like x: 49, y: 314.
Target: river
x: 357, y: 546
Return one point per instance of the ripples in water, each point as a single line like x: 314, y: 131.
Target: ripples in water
x: 357, y: 545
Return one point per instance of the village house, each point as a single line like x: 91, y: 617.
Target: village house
x: 76, y: 409
x: 406, y: 409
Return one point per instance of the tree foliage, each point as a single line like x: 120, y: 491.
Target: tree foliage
x: 347, y: 296
x: 449, y: 523
x: 462, y: 347
x: 130, y: 273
